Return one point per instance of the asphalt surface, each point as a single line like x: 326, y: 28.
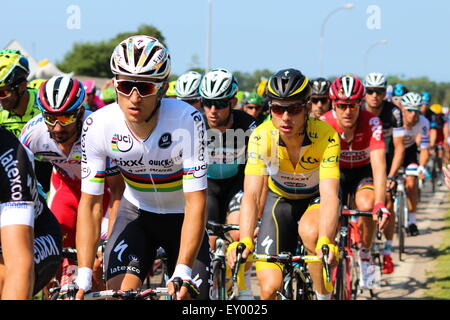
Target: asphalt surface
x: 411, y: 276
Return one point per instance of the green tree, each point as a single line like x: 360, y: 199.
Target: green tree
x: 92, y: 58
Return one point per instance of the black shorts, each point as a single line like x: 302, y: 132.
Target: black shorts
x: 47, y: 248
x: 223, y: 197
x: 279, y: 224
x: 354, y: 179
x: 135, y: 238
x: 410, y: 156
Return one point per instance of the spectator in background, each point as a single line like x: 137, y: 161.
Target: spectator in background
x: 92, y: 100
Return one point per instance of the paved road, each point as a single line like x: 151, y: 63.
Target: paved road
x: 411, y: 277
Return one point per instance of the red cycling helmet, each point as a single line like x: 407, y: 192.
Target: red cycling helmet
x: 61, y: 94
x: 347, y: 88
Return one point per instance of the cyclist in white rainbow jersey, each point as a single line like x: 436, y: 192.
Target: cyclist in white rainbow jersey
x: 159, y: 146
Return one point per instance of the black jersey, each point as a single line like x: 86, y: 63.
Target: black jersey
x: 392, y: 118
x: 227, y: 150
x: 18, y: 184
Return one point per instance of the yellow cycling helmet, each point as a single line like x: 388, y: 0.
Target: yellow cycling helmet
x: 436, y: 108
x: 13, y: 68
x: 36, y: 83
x: 261, y: 88
x: 171, y: 92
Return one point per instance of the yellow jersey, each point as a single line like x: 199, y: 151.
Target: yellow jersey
x: 319, y: 159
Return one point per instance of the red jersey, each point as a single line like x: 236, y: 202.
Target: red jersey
x: 368, y: 137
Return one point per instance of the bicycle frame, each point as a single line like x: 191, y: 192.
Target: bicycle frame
x: 219, y: 259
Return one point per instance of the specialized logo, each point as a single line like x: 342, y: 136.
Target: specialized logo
x: 165, y: 141
x: 122, y: 143
x: 120, y: 248
x: 267, y: 243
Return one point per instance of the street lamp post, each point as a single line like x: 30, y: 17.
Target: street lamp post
x: 208, y: 38
x: 368, y: 50
x: 322, y: 29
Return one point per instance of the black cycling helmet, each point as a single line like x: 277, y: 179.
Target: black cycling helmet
x: 289, y: 84
x: 320, y: 87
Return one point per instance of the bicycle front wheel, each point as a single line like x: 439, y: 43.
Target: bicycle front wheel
x: 342, y: 286
x: 218, y: 291
x: 400, y: 209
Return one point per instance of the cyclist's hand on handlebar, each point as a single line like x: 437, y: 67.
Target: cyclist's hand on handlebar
x: 380, y: 207
x: 231, y: 251
x: 391, y: 183
x: 180, y: 285
x: 333, y: 255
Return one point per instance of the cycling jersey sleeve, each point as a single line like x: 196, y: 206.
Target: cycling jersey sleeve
x: 329, y: 166
x: 93, y: 159
x: 256, y: 151
x: 424, y: 132
x: 19, y: 197
x: 376, y: 138
x: 195, y: 155
x: 397, y: 123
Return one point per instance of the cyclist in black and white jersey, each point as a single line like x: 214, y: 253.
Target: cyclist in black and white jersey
x: 417, y: 129
x: 30, y: 242
x: 228, y: 133
x: 393, y: 131
x: 159, y: 146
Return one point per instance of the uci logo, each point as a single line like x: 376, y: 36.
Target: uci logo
x: 165, y: 141
x: 122, y: 143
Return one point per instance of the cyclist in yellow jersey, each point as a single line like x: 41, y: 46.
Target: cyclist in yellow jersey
x: 299, y: 157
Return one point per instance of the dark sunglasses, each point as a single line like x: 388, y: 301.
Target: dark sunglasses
x: 219, y: 104
x: 292, y: 109
x: 253, y: 107
x: 144, y: 88
x: 344, y: 106
x: 322, y: 100
x: 379, y: 92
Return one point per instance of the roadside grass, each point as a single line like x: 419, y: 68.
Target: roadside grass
x: 439, y: 286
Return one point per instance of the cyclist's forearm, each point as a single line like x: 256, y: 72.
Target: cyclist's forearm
x: 248, y: 215
x: 397, y: 161
x: 89, y: 218
x: 193, y: 228
x: 17, y: 254
x: 424, y: 155
x: 329, y: 208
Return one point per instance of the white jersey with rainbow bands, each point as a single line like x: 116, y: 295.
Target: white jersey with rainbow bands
x: 158, y: 169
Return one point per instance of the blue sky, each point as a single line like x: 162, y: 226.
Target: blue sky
x: 253, y: 34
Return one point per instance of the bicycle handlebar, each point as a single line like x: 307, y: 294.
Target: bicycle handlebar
x: 127, y: 294
x: 217, y: 229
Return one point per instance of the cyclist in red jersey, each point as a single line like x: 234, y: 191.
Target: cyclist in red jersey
x: 362, y: 161
x: 55, y: 135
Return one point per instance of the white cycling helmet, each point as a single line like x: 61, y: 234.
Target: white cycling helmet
x: 411, y: 101
x: 375, y: 80
x: 188, y: 85
x: 218, y: 84
x: 141, y: 56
